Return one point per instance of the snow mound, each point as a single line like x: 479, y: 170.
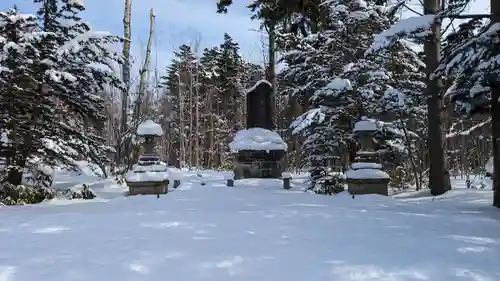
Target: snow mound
x: 339, y: 84
x: 366, y: 174
x: 142, y: 173
x: 257, y: 139
x: 365, y: 165
x: 365, y: 125
x: 147, y: 176
x: 149, y: 127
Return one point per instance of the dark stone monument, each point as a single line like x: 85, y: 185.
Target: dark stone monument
x: 264, y: 159
x: 260, y: 106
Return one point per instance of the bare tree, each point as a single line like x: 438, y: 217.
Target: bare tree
x: 145, y: 68
x: 125, y: 75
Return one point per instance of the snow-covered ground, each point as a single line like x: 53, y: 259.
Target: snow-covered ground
x: 253, y: 231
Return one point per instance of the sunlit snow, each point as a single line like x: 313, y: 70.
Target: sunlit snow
x: 253, y: 231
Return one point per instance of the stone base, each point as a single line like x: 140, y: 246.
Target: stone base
x: 368, y: 186
x: 148, y: 188
x: 259, y: 164
x: 245, y: 171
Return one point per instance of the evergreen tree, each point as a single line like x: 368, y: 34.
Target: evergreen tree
x: 179, y: 81
x: 19, y: 35
x: 72, y: 66
x: 373, y: 86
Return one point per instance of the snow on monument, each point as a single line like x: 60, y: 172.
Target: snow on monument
x: 259, y: 151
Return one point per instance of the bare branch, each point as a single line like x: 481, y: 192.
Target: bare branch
x: 468, y: 16
x: 412, y: 10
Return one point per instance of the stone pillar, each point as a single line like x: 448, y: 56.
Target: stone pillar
x: 259, y: 106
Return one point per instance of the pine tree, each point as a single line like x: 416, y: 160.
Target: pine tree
x: 211, y: 117
x: 19, y: 36
x: 77, y: 65
x: 388, y: 85
x: 178, y: 81
x: 72, y: 66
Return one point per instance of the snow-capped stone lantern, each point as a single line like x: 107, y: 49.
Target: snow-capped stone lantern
x: 259, y: 151
x: 151, y: 132
x: 366, y: 175
x: 150, y: 174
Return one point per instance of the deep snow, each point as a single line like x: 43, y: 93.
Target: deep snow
x: 253, y: 231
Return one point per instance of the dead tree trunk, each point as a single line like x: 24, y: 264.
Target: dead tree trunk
x: 125, y: 78
x: 145, y: 68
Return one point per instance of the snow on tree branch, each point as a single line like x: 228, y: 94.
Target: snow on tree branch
x: 412, y: 27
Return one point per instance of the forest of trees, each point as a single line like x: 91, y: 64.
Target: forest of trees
x: 66, y: 97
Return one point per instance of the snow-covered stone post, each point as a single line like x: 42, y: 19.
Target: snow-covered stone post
x: 366, y: 175
x: 175, y: 175
x: 177, y: 183
x: 286, y: 176
x: 229, y: 177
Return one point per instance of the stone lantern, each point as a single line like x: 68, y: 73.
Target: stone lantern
x: 366, y: 175
x: 150, y: 174
x: 151, y: 132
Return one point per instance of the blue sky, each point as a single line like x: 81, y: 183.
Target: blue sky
x: 179, y: 22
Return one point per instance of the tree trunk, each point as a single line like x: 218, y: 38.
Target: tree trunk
x: 190, y: 110
x: 145, y: 67
x: 182, y: 150
x: 418, y: 182
x: 495, y: 118
x: 197, y: 120
x: 438, y: 178
x: 15, y: 176
x: 125, y: 73
x: 211, y: 128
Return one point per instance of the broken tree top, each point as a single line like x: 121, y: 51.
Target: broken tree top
x: 257, y: 139
x: 149, y: 128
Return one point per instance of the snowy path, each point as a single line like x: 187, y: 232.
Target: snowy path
x: 216, y: 233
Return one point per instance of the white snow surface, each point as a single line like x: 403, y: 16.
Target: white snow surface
x: 149, y: 127
x: 147, y: 176
x: 257, y: 139
x: 339, y: 84
x: 416, y: 26
x: 157, y: 172
x: 366, y: 173
x: 365, y: 125
x: 254, y: 231
x: 365, y: 165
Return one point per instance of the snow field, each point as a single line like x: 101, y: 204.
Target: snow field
x: 254, y: 231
